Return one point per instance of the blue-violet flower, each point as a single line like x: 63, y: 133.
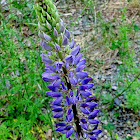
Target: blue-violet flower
x: 70, y: 85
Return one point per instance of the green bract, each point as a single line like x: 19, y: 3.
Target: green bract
x: 47, y: 14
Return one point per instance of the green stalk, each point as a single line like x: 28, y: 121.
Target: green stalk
x: 111, y: 102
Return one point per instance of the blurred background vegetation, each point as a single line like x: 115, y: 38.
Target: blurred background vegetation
x: 108, y: 32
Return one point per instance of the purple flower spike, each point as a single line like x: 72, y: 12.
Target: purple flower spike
x: 73, y: 100
x: 61, y: 27
x: 45, y: 58
x: 69, y: 111
x: 46, y: 77
x: 60, y: 124
x: 55, y: 33
x: 49, y: 53
x: 82, y: 62
x: 69, y: 115
x: 76, y: 81
x: 68, y: 127
x: 89, y: 99
x: 80, y: 68
x: 77, y: 58
x: 84, y: 124
x: 57, y: 109
x: 91, y: 104
x: 86, y: 93
x: 54, y: 94
x: 67, y: 100
x: 85, y: 81
x: 72, y: 44
x: 50, y: 67
x: 83, y: 87
x: 60, y: 128
x: 71, y: 93
x: 55, y: 106
x: 65, y: 40
x: 76, y: 134
x: 82, y: 75
x: 48, y: 38
x: 69, y: 59
x: 84, y: 105
x: 57, y: 47
x: 67, y: 65
x: 57, y: 101
x: 58, y: 65
x: 63, y: 86
x: 48, y: 70
x: 40, y: 35
x: 69, y: 83
x: 93, y: 114
x: 67, y: 33
x: 71, y: 74
x: 93, y: 121
x: 58, y: 115
x: 52, y: 88
x: 45, y: 45
x: 57, y: 83
x: 92, y: 137
x: 97, y: 131
x: 69, y: 131
x: 90, y: 85
x: 84, y: 110
x: 76, y: 50
x: 73, y: 81
x: 95, y: 127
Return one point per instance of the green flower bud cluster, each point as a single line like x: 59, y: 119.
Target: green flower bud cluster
x: 47, y: 15
x: 51, y: 28
x: 49, y: 22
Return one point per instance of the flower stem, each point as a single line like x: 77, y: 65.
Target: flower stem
x: 76, y: 119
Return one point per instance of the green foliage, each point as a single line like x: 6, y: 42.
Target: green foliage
x: 24, y: 108
x: 133, y: 94
x: 116, y: 115
x: 120, y: 36
x: 109, y: 127
x: 106, y: 98
x: 137, y: 133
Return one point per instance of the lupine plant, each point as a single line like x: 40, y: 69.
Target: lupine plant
x: 73, y: 105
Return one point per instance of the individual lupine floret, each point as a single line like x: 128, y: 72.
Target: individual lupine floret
x: 70, y: 87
